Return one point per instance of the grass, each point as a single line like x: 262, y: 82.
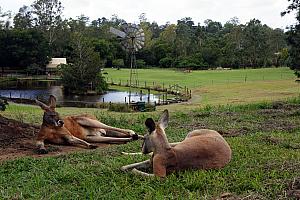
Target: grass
x: 240, y: 104
x: 215, y: 87
x: 197, y: 79
x: 266, y: 157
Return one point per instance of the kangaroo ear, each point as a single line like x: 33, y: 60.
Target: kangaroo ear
x: 42, y: 105
x: 150, y: 124
x: 164, y: 119
x: 52, y: 102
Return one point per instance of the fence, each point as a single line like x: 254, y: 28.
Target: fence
x: 177, y: 92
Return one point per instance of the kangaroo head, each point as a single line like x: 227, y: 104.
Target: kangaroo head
x: 156, y: 138
x: 51, y: 117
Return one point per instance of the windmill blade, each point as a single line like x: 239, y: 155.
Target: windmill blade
x: 140, y: 43
x: 117, y: 32
x: 140, y: 31
x: 125, y: 45
x: 140, y: 35
x: 137, y: 46
x: 140, y: 38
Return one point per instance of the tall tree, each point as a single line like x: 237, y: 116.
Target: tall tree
x: 232, y: 43
x: 254, y: 42
x: 83, y: 72
x: 23, y: 19
x: 47, y: 17
x: 184, y: 34
x: 294, y: 37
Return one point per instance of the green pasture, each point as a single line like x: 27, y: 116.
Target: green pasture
x: 196, y: 79
x: 214, y: 87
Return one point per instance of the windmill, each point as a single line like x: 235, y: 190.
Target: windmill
x: 132, y: 40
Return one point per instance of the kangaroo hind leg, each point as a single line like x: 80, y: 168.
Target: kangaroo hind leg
x: 84, y: 121
x: 98, y: 138
x: 79, y: 142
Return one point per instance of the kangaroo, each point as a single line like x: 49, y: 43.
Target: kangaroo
x: 77, y: 130
x: 201, y: 149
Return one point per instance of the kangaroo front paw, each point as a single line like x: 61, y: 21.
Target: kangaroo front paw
x: 92, y: 146
x: 42, y: 151
x: 124, y: 169
x: 135, y: 136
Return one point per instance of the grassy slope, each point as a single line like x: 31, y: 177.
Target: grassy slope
x: 197, y: 79
x: 259, y: 168
x: 221, y: 87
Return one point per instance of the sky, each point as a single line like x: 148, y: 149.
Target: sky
x: 163, y: 11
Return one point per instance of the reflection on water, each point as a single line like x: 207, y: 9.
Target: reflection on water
x: 43, y: 90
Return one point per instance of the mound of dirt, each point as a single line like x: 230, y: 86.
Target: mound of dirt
x: 17, y: 139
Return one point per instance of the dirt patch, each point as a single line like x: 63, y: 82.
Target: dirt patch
x: 17, y: 139
x: 230, y: 196
x: 294, y: 189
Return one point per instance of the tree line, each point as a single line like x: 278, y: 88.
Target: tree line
x: 181, y: 45
x: 293, y: 37
x: 30, y: 38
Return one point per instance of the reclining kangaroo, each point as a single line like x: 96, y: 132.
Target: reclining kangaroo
x: 77, y: 130
x: 201, y: 149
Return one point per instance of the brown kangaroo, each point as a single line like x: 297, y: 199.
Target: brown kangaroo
x: 201, y: 149
x: 77, y: 130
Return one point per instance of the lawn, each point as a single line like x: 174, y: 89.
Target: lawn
x: 214, y: 87
x: 264, y: 137
x: 197, y: 79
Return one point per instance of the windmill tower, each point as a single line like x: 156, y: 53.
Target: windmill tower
x: 132, y: 40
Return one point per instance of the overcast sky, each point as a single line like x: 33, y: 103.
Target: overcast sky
x: 162, y: 11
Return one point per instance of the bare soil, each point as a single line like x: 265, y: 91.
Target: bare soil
x: 17, y: 140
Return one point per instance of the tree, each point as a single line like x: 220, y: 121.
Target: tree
x: 212, y: 27
x: 295, y: 5
x: 82, y: 73
x: 184, y: 37
x: 254, y: 43
x: 23, y: 19
x: 232, y: 49
x: 294, y: 37
x: 21, y: 49
x: 47, y: 17
x: 119, y: 63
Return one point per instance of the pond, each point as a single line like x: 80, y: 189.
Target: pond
x: 42, y: 90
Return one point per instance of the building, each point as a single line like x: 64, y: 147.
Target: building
x: 54, y: 63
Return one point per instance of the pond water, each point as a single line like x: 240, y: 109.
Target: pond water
x: 42, y: 90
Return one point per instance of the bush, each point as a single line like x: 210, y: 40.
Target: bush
x: 101, y: 85
x: 119, y: 107
x: 118, y: 63
x: 166, y: 62
x: 3, y: 104
x: 193, y: 62
x: 34, y: 69
x: 140, y: 63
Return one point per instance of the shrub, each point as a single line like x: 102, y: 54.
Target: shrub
x: 119, y: 107
x: 166, y: 62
